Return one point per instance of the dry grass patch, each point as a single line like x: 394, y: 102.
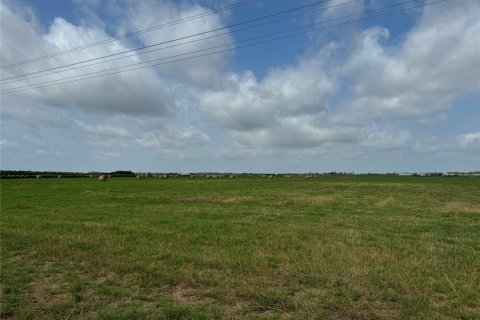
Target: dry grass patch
x: 267, y: 211
x: 48, y: 291
x: 461, y: 207
x: 216, y: 199
x: 314, y: 200
x: 386, y: 202
x: 185, y: 295
x: 236, y: 199
x: 305, y: 199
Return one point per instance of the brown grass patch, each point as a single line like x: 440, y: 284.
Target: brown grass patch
x: 386, y: 202
x: 237, y: 199
x: 461, y: 207
x: 93, y: 193
x: 48, y: 291
x: 217, y: 199
x: 313, y: 200
x: 21, y: 187
x: 184, y: 295
x: 230, y: 311
x: 377, y: 313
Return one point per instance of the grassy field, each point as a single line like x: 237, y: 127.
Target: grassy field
x: 248, y: 248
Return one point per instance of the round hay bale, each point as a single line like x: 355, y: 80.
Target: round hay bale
x: 103, y: 177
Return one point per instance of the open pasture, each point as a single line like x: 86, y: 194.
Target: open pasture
x: 371, y: 247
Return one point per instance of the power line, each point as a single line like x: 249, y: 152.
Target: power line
x: 45, y: 84
x: 185, y: 37
x: 196, y: 51
x: 161, y: 26
x: 50, y: 83
x: 36, y: 74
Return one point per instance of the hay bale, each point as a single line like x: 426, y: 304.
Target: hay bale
x: 103, y: 177
x: 38, y: 176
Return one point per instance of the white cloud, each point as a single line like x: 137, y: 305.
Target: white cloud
x: 339, y: 103
x: 174, y: 138
x: 144, y: 14
x: 244, y: 103
x: 6, y: 142
x: 104, y: 130
x: 437, y: 62
x: 291, y: 107
x: 469, y: 141
x: 337, y: 9
x: 386, y: 139
x: 138, y: 92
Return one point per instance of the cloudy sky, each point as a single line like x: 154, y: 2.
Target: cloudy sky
x: 394, y: 92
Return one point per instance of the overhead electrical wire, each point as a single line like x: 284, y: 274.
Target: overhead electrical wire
x: 317, y: 3
x: 38, y: 85
x: 161, y: 26
x: 49, y: 83
x: 41, y: 73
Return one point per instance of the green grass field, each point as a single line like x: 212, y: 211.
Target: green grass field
x: 250, y: 248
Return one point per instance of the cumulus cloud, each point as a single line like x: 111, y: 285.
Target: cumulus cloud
x: 143, y: 91
x: 468, y: 141
x: 351, y: 95
x: 6, y: 142
x: 242, y: 102
x: 291, y: 107
x: 339, y: 8
x: 463, y: 144
x: 144, y: 14
x: 437, y: 62
x: 174, y: 138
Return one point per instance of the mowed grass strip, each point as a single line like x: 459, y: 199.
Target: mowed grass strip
x: 247, y: 248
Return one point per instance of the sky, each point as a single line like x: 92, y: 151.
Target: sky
x: 397, y: 92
